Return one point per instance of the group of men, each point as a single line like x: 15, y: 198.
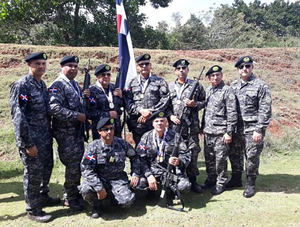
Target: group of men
x: 162, y: 118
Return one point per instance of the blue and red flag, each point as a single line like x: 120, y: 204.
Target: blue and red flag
x: 126, y: 57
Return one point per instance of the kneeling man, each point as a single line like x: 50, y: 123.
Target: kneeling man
x: 102, y: 169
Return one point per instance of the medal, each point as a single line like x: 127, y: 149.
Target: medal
x: 142, y: 96
x: 178, y: 101
x: 111, y: 105
x: 111, y: 159
x: 161, y: 158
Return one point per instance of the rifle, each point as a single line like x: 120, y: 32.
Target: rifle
x: 169, y: 178
x: 183, y: 116
x: 86, y: 85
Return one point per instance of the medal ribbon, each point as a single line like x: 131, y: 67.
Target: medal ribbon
x: 159, y: 144
x: 143, y: 87
x: 109, y: 96
x: 179, y: 90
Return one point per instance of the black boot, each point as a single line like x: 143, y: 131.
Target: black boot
x: 235, y: 181
x: 46, y: 200
x: 74, y: 204
x: 195, y: 186
x: 250, y: 187
x: 39, y: 216
x: 218, y: 190
x: 95, y: 210
x: 208, y: 184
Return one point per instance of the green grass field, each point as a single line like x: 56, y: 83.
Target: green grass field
x: 276, y: 202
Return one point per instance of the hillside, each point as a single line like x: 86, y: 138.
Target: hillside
x: 279, y: 67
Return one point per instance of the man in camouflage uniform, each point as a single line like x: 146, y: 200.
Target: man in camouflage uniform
x: 155, y: 151
x: 102, y: 169
x: 254, y: 114
x: 68, y: 117
x: 105, y: 100
x: 179, y: 92
x: 147, y: 93
x: 30, y: 114
x: 219, y: 122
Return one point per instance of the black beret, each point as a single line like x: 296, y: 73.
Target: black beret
x: 182, y: 62
x: 36, y: 56
x: 244, y: 60
x: 157, y: 114
x: 214, y: 69
x: 143, y: 57
x: 102, y: 69
x: 105, y: 121
x: 68, y: 59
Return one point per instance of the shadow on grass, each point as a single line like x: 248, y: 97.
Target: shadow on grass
x: 11, y: 217
x: 286, y: 183
x: 17, y: 188
x: 6, y: 174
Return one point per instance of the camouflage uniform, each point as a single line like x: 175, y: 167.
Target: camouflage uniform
x: 65, y: 106
x: 220, y: 117
x: 103, y: 166
x: 155, y: 97
x: 148, y: 153
x: 99, y: 108
x: 30, y: 114
x: 254, y: 114
x: 191, y: 124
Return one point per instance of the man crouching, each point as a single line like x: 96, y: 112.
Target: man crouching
x: 155, y: 151
x: 102, y: 169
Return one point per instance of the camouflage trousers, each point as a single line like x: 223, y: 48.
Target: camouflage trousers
x: 192, y: 142
x: 37, y: 173
x: 70, y: 150
x: 242, y: 144
x: 118, y: 191
x: 216, y: 155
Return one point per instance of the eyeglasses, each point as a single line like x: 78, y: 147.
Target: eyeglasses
x: 107, y: 129
x: 105, y: 74
x: 144, y: 64
x: 242, y: 66
x: 183, y: 68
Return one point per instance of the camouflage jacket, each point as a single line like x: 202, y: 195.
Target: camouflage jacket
x: 98, y: 105
x: 177, y: 105
x: 148, y: 151
x: 220, y: 115
x: 105, y: 162
x: 155, y: 97
x: 65, y: 105
x: 254, y: 104
x: 30, y: 111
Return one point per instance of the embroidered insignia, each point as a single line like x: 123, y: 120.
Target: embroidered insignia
x: 91, y: 158
x: 216, y: 68
x: 53, y: 90
x: 147, y: 56
x: 107, y: 67
x: 92, y: 100
x: 142, y: 147
x: 246, y: 59
x: 24, y: 98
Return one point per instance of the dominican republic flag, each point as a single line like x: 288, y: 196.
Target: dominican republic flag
x: 126, y: 56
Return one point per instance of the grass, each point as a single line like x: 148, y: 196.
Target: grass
x: 276, y: 202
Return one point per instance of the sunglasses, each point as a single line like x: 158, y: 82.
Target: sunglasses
x: 144, y: 64
x: 105, y: 74
x: 107, y: 129
x: 183, y: 68
x: 246, y: 66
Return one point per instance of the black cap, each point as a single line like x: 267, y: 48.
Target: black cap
x: 68, y: 59
x: 36, y: 56
x: 105, y: 121
x: 214, y: 69
x: 102, y: 69
x: 157, y: 114
x: 143, y: 57
x: 244, y: 60
x: 181, y: 62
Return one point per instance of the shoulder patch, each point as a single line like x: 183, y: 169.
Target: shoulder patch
x: 92, y: 100
x: 90, y: 159
x: 142, y: 147
x: 53, y: 90
x: 23, y: 97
